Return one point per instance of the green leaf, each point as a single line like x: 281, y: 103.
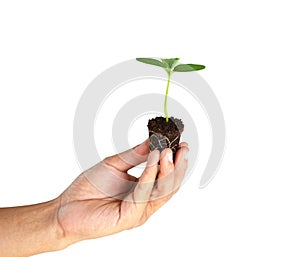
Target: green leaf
x: 188, y: 67
x: 152, y: 62
x: 170, y: 62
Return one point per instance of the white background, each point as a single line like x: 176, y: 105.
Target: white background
x: 51, y: 50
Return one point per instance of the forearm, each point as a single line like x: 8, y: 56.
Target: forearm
x: 30, y: 230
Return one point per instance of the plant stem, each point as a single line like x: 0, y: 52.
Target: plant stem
x: 166, y: 97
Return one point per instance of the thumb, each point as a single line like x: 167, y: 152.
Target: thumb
x: 130, y: 158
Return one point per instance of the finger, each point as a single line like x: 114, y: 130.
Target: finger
x: 181, y: 163
x: 130, y: 158
x: 179, y: 171
x: 135, y: 204
x: 170, y: 173
x: 144, y: 187
x: 165, y: 181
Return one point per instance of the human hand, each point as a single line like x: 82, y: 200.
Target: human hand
x: 106, y: 199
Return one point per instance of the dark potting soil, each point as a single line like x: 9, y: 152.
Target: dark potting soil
x: 163, y: 134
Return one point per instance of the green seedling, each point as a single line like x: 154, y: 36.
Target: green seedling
x: 169, y: 65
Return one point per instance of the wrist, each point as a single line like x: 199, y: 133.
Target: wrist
x: 45, y: 227
x: 55, y: 228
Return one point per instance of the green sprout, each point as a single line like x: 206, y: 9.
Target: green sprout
x: 169, y: 65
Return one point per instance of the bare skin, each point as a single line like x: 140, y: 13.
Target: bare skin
x: 102, y: 201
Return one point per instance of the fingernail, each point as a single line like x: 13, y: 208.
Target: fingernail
x: 186, y: 155
x: 170, y: 157
x: 153, y: 158
x: 184, y: 144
